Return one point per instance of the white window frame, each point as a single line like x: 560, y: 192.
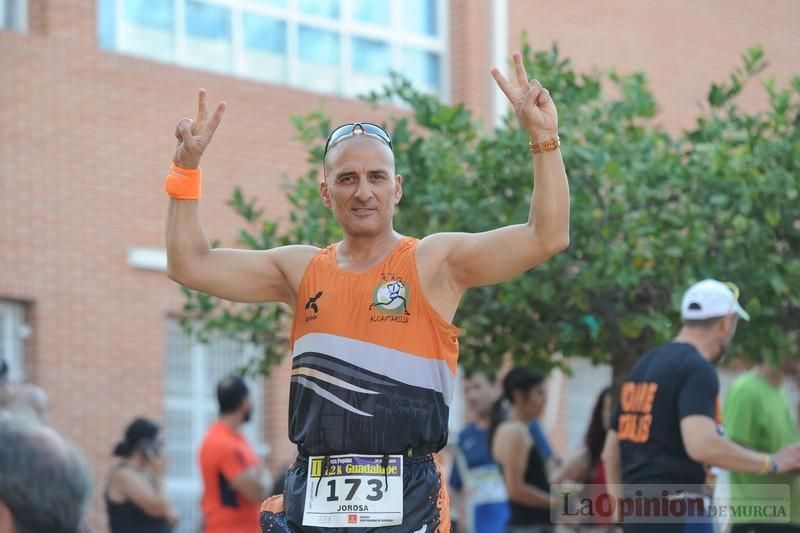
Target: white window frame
x: 583, y: 388
x: 14, y: 15
x: 395, y: 35
x: 199, y: 404
x: 457, y: 408
x: 13, y: 332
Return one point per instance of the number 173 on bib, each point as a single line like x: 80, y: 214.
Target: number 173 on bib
x: 354, y: 491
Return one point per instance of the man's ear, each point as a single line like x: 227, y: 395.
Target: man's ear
x: 726, y: 324
x: 398, y: 188
x: 325, y: 194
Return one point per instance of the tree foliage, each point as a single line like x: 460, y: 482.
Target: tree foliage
x: 651, y: 212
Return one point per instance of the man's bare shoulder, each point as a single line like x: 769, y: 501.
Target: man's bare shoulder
x: 293, y: 256
x: 296, y: 251
x: 440, y: 242
x: 293, y: 260
x: 433, y: 250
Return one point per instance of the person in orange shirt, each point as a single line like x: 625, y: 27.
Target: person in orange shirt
x: 234, y: 480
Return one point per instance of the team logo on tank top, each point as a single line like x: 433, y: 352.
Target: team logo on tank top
x: 312, y: 307
x: 390, y: 299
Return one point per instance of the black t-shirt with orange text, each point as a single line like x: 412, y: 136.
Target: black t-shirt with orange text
x: 667, y: 384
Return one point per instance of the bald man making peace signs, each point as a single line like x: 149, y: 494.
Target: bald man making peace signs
x: 374, y: 348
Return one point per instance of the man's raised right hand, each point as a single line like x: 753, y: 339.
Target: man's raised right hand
x: 195, y: 135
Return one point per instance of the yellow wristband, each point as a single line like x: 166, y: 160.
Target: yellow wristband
x: 182, y: 183
x: 767, y: 466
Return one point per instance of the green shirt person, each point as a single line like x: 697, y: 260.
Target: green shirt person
x: 757, y: 414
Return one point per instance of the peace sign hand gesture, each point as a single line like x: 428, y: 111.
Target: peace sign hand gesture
x: 531, y: 102
x: 194, y: 135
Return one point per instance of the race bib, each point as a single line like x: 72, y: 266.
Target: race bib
x: 354, y: 491
x: 487, y: 485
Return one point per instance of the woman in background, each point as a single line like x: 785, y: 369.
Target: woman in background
x: 135, y: 497
x: 586, y: 467
x: 512, y: 447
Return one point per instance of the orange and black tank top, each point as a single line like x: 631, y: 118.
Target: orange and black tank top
x: 374, y: 365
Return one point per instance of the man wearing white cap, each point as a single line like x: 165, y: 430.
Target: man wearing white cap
x: 665, y: 428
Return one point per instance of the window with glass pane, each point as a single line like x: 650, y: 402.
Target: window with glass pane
x: 420, y: 16
x: 12, y: 320
x: 319, y: 46
x: 146, y: 28
x: 373, y: 11
x: 149, y: 14
x: 296, y: 41
x: 370, y: 56
x: 12, y: 15
x: 106, y: 23
x: 274, y: 3
x: 370, y: 65
x: 422, y: 67
x: 321, y: 8
x: 318, y: 65
x: 264, y: 54
x: 208, y: 36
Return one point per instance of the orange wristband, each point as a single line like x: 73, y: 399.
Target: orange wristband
x: 183, y: 184
x: 545, y: 146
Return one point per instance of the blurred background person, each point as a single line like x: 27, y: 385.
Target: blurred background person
x: 235, y: 482
x: 477, y: 488
x: 32, y: 401
x: 135, y: 497
x: 550, y: 456
x: 23, y: 399
x: 552, y: 460
x: 6, y: 387
x: 513, y: 448
x: 44, y: 481
x: 586, y: 467
x: 665, y: 430
x: 757, y: 414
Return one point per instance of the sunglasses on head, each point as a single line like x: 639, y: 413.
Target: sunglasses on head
x: 734, y: 289
x: 345, y: 131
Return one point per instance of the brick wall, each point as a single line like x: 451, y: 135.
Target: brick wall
x: 470, y: 56
x: 682, y: 45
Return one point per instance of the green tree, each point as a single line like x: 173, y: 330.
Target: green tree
x: 651, y: 213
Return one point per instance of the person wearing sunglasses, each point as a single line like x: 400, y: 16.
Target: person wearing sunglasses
x: 374, y: 348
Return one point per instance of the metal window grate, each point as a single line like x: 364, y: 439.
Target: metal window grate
x: 12, y: 339
x: 192, y: 372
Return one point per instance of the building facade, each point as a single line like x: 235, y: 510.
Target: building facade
x: 90, y: 96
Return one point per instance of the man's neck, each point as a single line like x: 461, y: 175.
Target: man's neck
x: 356, y: 253
x: 697, y: 338
x: 231, y: 420
x: 482, y: 422
x: 770, y: 374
